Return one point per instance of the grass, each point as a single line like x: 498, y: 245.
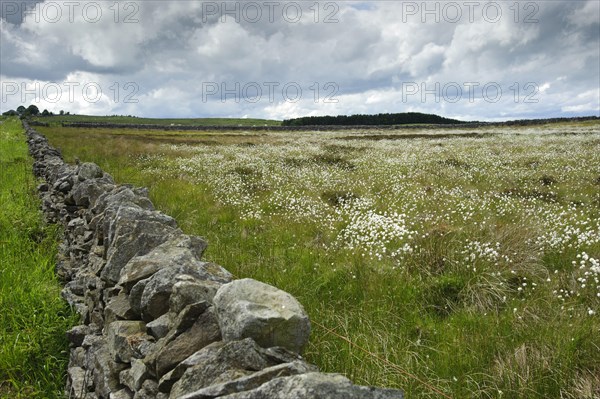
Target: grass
x: 58, y: 119
x: 468, y: 262
x: 33, y: 317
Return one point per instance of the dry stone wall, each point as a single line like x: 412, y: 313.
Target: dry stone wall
x: 466, y: 125
x: 157, y: 321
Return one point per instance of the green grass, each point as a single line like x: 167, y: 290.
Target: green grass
x: 471, y: 333
x: 33, y: 317
x: 58, y: 119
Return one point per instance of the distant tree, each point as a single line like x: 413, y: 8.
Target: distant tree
x: 11, y: 112
x: 33, y: 110
x: 46, y: 113
x: 21, y: 109
x: 61, y: 112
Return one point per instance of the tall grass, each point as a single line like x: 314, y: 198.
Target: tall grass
x: 472, y: 332
x: 33, y: 317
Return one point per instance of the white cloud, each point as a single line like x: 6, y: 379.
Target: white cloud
x: 172, y: 50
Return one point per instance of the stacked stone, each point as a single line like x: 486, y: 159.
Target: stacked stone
x: 156, y: 320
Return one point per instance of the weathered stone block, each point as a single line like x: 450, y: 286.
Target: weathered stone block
x: 312, y: 386
x: 250, y: 309
x: 121, y: 336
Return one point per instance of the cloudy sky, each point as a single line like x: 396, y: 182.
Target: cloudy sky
x: 472, y: 60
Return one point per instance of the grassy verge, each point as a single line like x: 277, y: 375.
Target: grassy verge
x: 33, y: 317
x: 467, y: 262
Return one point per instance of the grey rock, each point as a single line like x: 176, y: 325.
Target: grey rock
x: 77, y: 334
x: 160, y: 327
x: 144, y: 346
x: 314, y: 386
x: 188, y: 316
x: 251, y: 381
x: 135, y: 376
x: 96, y: 263
x: 91, y: 341
x: 155, y: 297
x: 72, y: 299
x: 89, y: 170
x: 157, y: 292
x: 119, y: 196
x: 121, y: 394
x: 77, y: 357
x: 272, y: 317
x: 78, y: 382
x: 134, y: 232
x: 121, y: 337
x: 87, y: 192
x: 62, y: 186
x: 135, y: 297
x: 219, y: 363
x: 204, y: 331
x: 76, y: 225
x: 118, y: 308
x: 75, y: 287
x: 188, y: 291
x: 105, y: 370
x: 177, y: 251
x: 149, y: 390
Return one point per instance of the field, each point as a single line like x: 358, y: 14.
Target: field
x: 33, y: 317
x: 456, y: 262
x: 58, y: 119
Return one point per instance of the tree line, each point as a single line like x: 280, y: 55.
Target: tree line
x: 378, y: 119
x: 32, y: 110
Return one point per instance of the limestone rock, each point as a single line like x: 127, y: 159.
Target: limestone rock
x: 251, y: 381
x: 160, y: 327
x: 105, y: 369
x: 89, y: 170
x: 134, y: 232
x: 121, y: 394
x: 87, y: 192
x: 313, y: 386
x: 78, y: 383
x: 203, y: 332
x: 157, y: 292
x: 77, y: 334
x: 177, y: 251
x: 272, y: 317
x: 121, y: 336
x: 119, y: 196
x: 149, y: 390
x: 135, y: 376
x: 77, y: 357
x: 190, y: 290
x: 135, y: 296
x: 222, y: 362
x: 118, y: 308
